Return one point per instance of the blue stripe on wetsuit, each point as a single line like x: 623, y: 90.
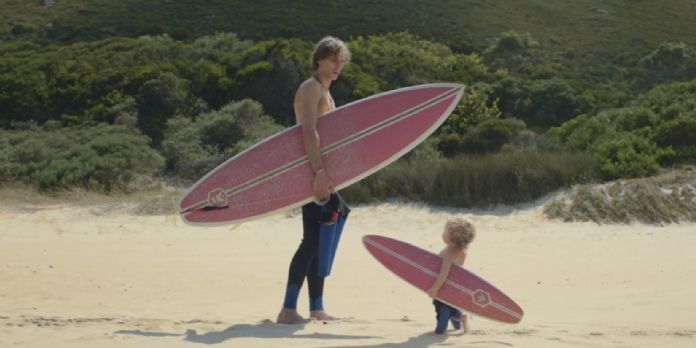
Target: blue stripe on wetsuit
x: 333, y: 218
x: 329, y: 236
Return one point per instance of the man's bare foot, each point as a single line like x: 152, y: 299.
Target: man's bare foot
x: 321, y: 315
x: 290, y: 316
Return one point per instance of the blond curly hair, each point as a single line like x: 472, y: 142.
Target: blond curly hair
x: 461, y: 231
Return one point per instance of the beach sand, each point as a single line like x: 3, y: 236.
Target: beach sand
x: 74, y: 276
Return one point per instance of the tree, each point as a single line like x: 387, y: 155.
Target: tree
x: 158, y: 99
x: 670, y: 61
x: 271, y: 72
x: 513, y: 52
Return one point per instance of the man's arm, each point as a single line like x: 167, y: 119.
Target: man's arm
x: 311, y: 96
x: 310, y: 103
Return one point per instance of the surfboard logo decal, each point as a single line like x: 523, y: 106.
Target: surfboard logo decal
x: 481, y: 298
x: 217, y: 198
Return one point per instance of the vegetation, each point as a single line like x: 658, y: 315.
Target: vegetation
x: 475, y: 181
x: 104, y: 95
x: 579, y: 28
x: 667, y: 198
x: 193, y: 148
x: 103, y: 157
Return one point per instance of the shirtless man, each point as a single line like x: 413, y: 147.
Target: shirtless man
x: 312, y: 100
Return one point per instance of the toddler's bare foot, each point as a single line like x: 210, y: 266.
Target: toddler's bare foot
x: 321, y: 315
x: 290, y: 316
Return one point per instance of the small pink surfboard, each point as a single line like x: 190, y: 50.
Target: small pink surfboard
x: 462, y: 289
x: 356, y: 140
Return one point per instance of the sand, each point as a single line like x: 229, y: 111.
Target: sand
x: 72, y: 276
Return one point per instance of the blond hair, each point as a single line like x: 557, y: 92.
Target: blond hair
x: 461, y: 231
x: 327, y: 47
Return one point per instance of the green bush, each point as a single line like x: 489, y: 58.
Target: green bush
x: 486, y: 137
x: 220, y: 46
x: 395, y: 60
x: 398, y: 59
x: 629, y: 119
x: 670, y: 101
x: 101, y: 158
x: 490, y: 135
x: 192, y: 148
x: 473, y: 108
x: 670, y: 61
x: 680, y: 135
x: 628, y: 156
x: 540, y: 103
x: 513, y: 52
x: 580, y: 133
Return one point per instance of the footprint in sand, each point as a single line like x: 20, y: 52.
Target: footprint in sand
x: 352, y: 320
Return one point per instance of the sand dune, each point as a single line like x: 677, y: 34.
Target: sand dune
x: 96, y: 277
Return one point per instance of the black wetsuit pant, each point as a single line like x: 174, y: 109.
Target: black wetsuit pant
x: 305, y: 262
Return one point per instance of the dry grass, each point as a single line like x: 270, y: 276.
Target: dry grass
x: 666, y: 198
x: 151, y: 201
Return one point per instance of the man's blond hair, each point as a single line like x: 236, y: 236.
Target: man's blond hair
x: 327, y: 47
x: 461, y: 231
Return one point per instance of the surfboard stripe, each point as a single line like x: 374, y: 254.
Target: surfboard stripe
x: 329, y: 148
x: 429, y: 272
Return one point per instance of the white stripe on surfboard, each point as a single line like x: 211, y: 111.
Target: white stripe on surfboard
x: 343, y: 142
x: 434, y: 275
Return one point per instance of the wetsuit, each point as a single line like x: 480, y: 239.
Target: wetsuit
x: 322, y: 225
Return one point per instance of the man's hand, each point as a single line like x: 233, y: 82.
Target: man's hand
x: 432, y: 292
x: 323, y: 186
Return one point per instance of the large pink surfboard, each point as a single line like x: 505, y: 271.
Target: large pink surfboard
x: 462, y: 289
x: 356, y: 140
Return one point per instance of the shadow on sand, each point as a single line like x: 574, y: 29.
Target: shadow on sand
x: 427, y: 339
x: 422, y: 340
x: 262, y: 330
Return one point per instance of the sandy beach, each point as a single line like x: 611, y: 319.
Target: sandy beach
x: 96, y: 277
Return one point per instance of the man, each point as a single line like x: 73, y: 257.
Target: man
x: 312, y: 100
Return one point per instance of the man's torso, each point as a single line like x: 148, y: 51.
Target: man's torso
x: 326, y: 102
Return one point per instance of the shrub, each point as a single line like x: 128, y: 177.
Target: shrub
x: 102, y: 158
x: 670, y: 61
x: 667, y: 198
x: 488, y: 136
x: 540, y: 103
x: 194, y: 147
x: 679, y: 134
x: 628, y: 156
